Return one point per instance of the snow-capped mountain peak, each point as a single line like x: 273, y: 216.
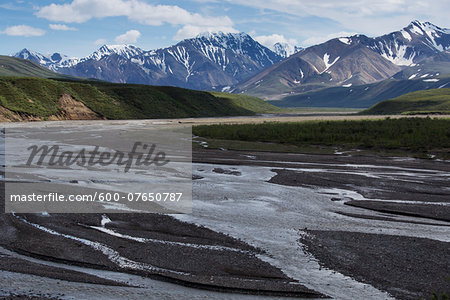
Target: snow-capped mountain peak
x: 47, y: 60
x: 412, y: 44
x: 210, y: 61
x: 220, y: 35
x: 433, y: 36
x: 126, y: 51
x: 285, y: 50
x: 424, y: 27
x: 31, y: 55
x: 345, y: 40
x: 25, y: 54
x: 213, y: 60
x: 235, y: 42
x: 218, y: 46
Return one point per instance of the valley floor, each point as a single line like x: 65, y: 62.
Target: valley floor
x: 370, y: 218
x: 304, y: 225
x: 287, y: 117
x: 261, y: 118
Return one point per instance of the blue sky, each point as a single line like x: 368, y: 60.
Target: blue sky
x: 79, y: 27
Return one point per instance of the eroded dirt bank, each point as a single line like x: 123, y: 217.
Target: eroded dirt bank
x: 71, y: 109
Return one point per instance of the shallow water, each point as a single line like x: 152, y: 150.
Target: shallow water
x: 271, y: 217
x: 266, y: 215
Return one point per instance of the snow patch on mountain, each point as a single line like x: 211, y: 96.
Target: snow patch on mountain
x: 183, y: 57
x: 398, y: 55
x: 406, y: 35
x: 216, y: 54
x: 230, y: 41
x: 326, y: 60
x: 153, y: 58
x: 345, y: 40
x: 416, y: 29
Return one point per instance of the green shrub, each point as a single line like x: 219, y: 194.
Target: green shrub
x: 406, y: 133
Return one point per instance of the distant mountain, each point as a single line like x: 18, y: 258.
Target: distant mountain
x: 320, y: 66
x: 352, y: 60
x: 13, y: 66
x: 428, y: 68
x: 285, y: 50
x: 50, y: 61
x: 209, y: 61
x: 412, y: 44
x: 237, y: 63
x: 363, y: 96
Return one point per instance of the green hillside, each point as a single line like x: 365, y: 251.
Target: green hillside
x: 11, y: 66
x: 39, y: 97
x: 429, y: 101
x: 361, y: 96
x: 29, y: 89
x: 251, y: 103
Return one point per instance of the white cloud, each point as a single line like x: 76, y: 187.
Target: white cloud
x: 62, y: 27
x: 343, y: 8
x: 23, y: 30
x: 10, y: 6
x: 79, y: 11
x: 189, y: 31
x: 321, y: 39
x: 270, y: 40
x: 372, y: 17
x: 100, y: 42
x: 131, y: 36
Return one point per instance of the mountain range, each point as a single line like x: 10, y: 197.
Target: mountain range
x: 208, y: 62
x: 238, y: 63
x: 351, y: 61
x: 285, y: 50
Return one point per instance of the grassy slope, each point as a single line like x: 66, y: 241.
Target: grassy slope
x: 362, y: 96
x: 251, y: 103
x: 39, y: 97
x: 423, y: 135
x: 429, y: 101
x: 11, y: 66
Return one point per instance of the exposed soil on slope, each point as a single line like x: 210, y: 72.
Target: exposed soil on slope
x: 71, y: 109
x: 75, y: 110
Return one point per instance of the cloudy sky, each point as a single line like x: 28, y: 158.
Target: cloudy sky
x: 78, y: 27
